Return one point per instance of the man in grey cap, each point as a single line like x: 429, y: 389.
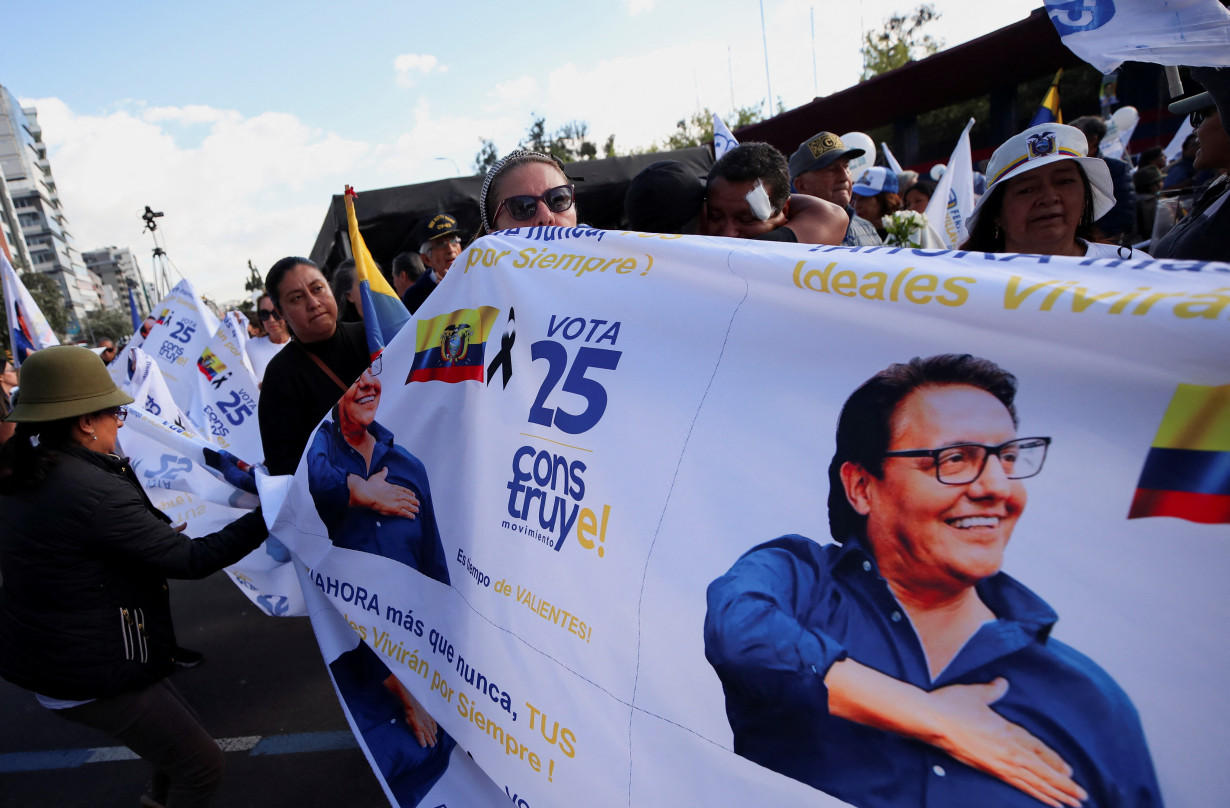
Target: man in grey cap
x: 820, y: 167
x: 441, y: 245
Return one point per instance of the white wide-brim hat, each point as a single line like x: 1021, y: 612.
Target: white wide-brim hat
x: 1042, y: 145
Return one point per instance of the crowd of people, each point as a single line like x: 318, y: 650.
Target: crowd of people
x: 102, y: 655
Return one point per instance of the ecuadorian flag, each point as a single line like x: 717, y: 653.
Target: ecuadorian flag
x: 383, y: 312
x: 450, y: 347
x: 1187, y: 472
x: 1049, y: 111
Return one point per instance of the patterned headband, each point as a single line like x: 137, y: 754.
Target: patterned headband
x: 495, y: 170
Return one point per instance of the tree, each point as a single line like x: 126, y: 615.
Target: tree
x: 486, y: 157
x: 568, y: 143
x: 112, y: 324
x: 254, y: 283
x: 698, y: 128
x: 900, y: 41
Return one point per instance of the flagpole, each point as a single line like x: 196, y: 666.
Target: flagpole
x: 764, y: 37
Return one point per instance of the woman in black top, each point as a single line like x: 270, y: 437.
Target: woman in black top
x: 85, y: 621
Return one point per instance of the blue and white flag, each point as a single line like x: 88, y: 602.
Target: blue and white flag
x: 952, y: 203
x: 723, y: 140
x: 28, y: 328
x: 1106, y: 33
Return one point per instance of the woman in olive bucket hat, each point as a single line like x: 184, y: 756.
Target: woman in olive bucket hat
x: 84, y: 617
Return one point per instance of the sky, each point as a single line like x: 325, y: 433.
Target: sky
x: 240, y: 120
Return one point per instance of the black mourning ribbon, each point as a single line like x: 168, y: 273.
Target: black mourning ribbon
x: 503, y: 359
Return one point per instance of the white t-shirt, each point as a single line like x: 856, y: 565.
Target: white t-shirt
x: 260, y: 351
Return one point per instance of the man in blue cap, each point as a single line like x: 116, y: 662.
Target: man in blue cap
x: 441, y: 239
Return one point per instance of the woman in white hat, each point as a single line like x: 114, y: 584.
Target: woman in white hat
x: 1044, y: 194
x: 85, y: 618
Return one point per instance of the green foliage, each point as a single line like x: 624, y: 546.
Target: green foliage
x: 486, y: 157
x: 698, y: 128
x: 568, y: 143
x: 899, y: 41
x: 254, y: 283
x: 113, y: 324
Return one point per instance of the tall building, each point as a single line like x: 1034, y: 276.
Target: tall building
x: 40, y: 216
x: 116, y: 268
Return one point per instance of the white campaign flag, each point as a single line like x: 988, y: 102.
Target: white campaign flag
x: 1106, y: 33
x: 28, y: 328
x: 176, y: 333
x: 891, y: 159
x: 1174, y: 149
x: 952, y: 203
x: 138, y: 375
x: 226, y: 395
x: 723, y: 140
x: 236, y: 324
x: 1113, y: 145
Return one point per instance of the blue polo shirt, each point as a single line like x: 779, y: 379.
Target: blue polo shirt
x: 790, y: 608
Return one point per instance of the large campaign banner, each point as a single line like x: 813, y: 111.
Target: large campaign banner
x: 657, y: 520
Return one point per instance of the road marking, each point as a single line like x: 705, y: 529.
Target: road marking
x: 289, y: 744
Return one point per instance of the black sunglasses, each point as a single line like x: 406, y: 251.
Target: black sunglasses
x: 523, y: 206
x: 1201, y: 115
x: 269, y: 314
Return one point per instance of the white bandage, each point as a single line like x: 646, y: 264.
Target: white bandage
x: 758, y: 201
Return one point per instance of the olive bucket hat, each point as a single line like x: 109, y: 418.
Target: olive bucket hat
x: 62, y: 382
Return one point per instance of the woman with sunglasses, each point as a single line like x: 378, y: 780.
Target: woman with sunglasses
x: 526, y: 189
x: 85, y: 620
x: 277, y: 336
x: 1204, y: 233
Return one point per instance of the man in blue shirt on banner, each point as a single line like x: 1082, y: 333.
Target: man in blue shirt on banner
x: 900, y: 666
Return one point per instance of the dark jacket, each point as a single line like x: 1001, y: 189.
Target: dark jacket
x: 296, y: 393
x: 84, y: 609
x: 419, y: 291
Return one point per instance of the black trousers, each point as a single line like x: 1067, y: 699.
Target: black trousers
x: 160, y: 726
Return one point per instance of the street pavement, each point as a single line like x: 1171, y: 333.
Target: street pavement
x: 263, y: 692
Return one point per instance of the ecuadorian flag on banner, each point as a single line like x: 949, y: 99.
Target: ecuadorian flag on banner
x: 1187, y: 472
x: 450, y: 347
x: 383, y: 312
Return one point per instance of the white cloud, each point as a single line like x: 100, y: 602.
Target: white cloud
x: 517, y: 91
x: 637, y: 6
x: 443, y: 146
x: 253, y: 188
x: 410, y: 66
x: 191, y: 114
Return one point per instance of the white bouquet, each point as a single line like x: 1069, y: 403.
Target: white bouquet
x: 904, y: 228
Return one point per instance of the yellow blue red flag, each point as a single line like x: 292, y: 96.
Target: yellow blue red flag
x: 1187, y: 471
x: 450, y: 347
x: 1049, y: 111
x: 383, y: 312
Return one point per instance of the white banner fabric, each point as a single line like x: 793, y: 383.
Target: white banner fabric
x: 1106, y: 33
x: 185, y: 477
x: 610, y: 421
